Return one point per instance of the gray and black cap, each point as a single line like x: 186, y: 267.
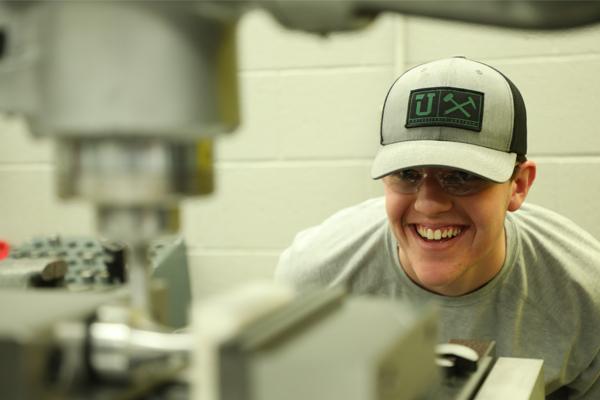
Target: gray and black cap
x: 454, y: 113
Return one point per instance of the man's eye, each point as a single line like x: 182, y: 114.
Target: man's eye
x: 410, y: 175
x: 460, y: 177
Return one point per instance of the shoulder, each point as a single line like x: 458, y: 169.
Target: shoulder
x: 543, y: 232
x: 536, y: 219
x: 558, y: 263
x: 565, y: 249
x: 333, y: 250
x: 555, y: 283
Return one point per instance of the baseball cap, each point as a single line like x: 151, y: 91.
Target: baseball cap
x: 456, y: 113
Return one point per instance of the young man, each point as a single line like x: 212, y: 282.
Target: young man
x: 453, y: 228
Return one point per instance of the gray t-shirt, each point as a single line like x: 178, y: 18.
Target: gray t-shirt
x: 544, y: 303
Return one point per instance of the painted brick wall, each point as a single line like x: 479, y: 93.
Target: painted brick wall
x: 310, y: 110
x: 310, y: 122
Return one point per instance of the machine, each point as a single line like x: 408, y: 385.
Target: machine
x: 133, y: 93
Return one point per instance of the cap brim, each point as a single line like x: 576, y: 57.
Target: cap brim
x: 491, y: 164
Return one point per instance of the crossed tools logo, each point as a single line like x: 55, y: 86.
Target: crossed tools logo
x: 445, y: 106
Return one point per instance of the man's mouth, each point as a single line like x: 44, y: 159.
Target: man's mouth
x: 438, y: 233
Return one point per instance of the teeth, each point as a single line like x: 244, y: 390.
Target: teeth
x: 438, y: 234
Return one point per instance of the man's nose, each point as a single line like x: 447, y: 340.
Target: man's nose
x: 431, y: 198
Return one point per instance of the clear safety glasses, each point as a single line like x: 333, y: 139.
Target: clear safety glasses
x: 452, y: 181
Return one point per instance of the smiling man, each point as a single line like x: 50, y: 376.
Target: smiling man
x: 449, y: 224
x: 453, y: 228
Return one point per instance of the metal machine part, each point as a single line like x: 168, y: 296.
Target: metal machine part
x: 514, y: 378
x: 87, y: 264
x: 463, y: 378
x: 137, y: 357
x: 353, y: 14
x: 46, y: 272
x: 82, y: 339
x: 324, y: 345
x: 115, y: 260
x: 489, y: 377
x: 29, y: 358
x: 89, y: 350
x: 82, y: 345
x: 169, y: 258
x: 133, y: 92
x: 325, y: 17
x: 106, y: 169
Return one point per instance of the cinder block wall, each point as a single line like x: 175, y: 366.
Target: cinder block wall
x: 310, y: 123
x: 310, y: 109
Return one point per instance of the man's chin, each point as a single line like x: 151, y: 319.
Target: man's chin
x: 437, y: 277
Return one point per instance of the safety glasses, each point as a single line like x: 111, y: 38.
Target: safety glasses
x: 452, y: 181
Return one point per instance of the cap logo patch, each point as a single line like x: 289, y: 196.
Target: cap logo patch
x: 445, y: 106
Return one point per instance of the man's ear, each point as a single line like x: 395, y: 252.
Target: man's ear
x: 521, y: 184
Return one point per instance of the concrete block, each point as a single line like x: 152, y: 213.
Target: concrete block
x: 374, y: 188
x: 428, y: 39
x: 309, y: 114
x: 560, y: 95
x: 18, y: 145
x: 30, y: 207
x: 213, y: 272
x: 263, y: 207
x: 265, y: 44
x: 569, y: 186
